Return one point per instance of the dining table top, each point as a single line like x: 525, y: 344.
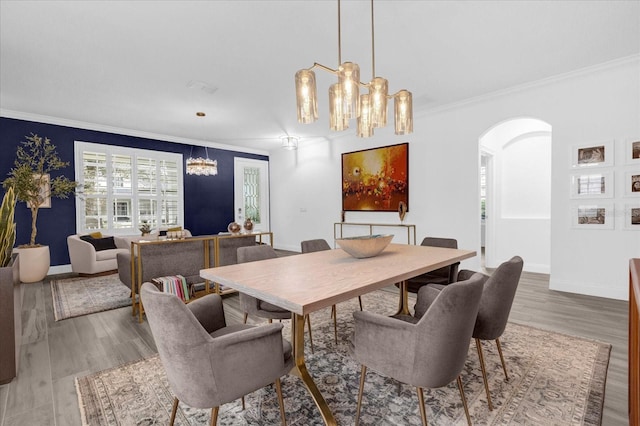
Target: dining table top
x: 307, y: 282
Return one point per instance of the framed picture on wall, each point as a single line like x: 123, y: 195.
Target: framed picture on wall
x: 592, y: 216
x: 44, y: 196
x: 632, y: 183
x: 632, y: 217
x: 596, y: 154
x: 376, y: 179
x: 632, y: 151
x: 592, y: 185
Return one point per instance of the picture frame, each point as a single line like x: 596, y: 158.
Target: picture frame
x: 593, y: 216
x: 45, y: 191
x: 632, y: 150
x: 376, y: 179
x: 632, y: 217
x: 594, y: 154
x: 632, y: 183
x: 592, y: 184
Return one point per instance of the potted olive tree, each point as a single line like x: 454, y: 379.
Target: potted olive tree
x: 10, y: 297
x: 30, y: 178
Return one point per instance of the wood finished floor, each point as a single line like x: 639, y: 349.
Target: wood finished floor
x: 54, y: 353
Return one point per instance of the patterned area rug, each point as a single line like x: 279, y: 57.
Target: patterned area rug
x: 554, y: 379
x: 73, y: 297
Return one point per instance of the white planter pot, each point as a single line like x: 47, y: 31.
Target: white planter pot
x: 34, y: 263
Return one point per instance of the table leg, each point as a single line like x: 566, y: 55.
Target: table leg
x: 300, y: 368
x: 403, y: 305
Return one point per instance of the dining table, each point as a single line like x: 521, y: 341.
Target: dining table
x: 305, y: 283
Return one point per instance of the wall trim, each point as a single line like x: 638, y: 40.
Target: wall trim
x: 19, y: 115
x: 588, y: 289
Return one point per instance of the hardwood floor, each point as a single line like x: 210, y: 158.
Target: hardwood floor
x: 54, y: 353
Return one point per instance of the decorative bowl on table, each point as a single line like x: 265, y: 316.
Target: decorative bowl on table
x: 364, y: 246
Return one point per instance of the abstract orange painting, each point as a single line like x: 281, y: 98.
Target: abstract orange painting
x: 376, y: 179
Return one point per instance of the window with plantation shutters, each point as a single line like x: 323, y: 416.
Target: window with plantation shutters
x: 125, y: 187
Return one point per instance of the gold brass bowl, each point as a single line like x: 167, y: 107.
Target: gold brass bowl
x: 364, y: 246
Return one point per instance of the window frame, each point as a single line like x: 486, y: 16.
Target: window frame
x: 80, y: 147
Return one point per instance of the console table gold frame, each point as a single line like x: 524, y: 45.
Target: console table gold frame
x: 137, y: 253
x: 408, y: 227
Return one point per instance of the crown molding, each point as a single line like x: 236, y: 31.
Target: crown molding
x: 19, y: 115
x: 532, y: 85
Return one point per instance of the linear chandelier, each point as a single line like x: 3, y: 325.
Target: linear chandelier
x: 345, y: 100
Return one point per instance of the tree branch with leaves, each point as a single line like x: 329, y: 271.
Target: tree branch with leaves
x: 36, y: 158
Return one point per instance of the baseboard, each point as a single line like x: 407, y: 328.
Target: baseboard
x: 588, y: 289
x: 60, y: 269
x: 537, y: 268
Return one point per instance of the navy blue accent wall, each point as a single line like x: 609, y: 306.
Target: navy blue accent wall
x: 208, y: 200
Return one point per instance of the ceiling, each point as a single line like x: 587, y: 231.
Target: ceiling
x: 149, y: 66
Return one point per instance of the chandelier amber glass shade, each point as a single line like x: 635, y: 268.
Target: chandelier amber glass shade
x: 378, y: 90
x: 349, y: 79
x: 403, y: 112
x: 365, y: 129
x: 306, y: 96
x: 337, y: 119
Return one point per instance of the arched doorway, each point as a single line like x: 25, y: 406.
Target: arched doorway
x: 515, y: 193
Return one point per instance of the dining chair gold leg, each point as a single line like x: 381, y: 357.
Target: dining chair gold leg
x: 464, y: 401
x: 246, y: 315
x: 308, y: 317
x: 360, y: 301
x: 363, y: 372
x: 423, y: 410
x: 243, y: 404
x: 174, y: 410
x: 214, y: 416
x: 484, y: 373
x: 504, y: 366
x: 335, y: 323
x: 281, y: 402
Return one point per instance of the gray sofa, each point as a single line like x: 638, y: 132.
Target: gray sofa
x: 181, y: 257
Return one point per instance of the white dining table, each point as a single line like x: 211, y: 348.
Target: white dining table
x: 309, y: 282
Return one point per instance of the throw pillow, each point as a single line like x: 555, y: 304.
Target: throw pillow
x: 106, y: 243
x: 96, y: 235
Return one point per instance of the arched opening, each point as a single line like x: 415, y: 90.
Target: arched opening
x: 515, y: 193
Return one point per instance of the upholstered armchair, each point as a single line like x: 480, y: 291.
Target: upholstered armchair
x: 254, y: 306
x: 446, y: 275
x: 90, y: 256
x: 433, y: 348
x: 310, y: 246
x: 207, y: 362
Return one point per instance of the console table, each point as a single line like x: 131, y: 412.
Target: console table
x: 411, y: 229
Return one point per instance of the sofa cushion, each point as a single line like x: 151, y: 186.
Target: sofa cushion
x: 106, y: 243
x: 109, y: 254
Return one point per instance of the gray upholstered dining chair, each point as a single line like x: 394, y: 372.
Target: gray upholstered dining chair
x: 495, y: 306
x: 445, y: 275
x: 434, y: 347
x: 207, y: 362
x: 310, y: 246
x: 254, y: 306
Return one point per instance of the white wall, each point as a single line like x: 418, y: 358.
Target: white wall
x: 593, y: 105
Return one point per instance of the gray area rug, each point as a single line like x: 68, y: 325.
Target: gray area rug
x: 73, y: 297
x: 555, y: 379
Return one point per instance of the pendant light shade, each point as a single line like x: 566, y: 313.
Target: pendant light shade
x: 378, y: 90
x: 403, y: 112
x: 349, y: 79
x: 306, y: 96
x: 337, y: 119
x: 365, y: 129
